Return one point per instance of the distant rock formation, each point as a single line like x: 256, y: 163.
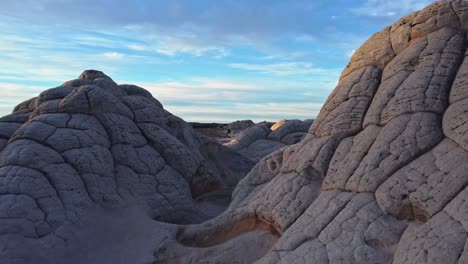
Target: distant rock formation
x: 237, y: 127
x: 255, y: 141
x: 381, y: 176
x: 222, y: 132
x: 260, y: 140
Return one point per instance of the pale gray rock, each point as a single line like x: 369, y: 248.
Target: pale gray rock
x: 252, y: 134
x: 293, y: 138
x: 260, y: 140
x: 237, y: 127
x: 279, y: 131
x: 94, y: 145
x: 260, y: 148
x: 346, y: 107
x: 379, y: 177
x: 440, y: 240
x: 425, y: 186
x: 418, y: 79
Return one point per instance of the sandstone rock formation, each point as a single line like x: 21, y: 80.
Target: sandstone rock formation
x: 91, y: 143
x: 381, y: 176
x: 255, y: 141
x: 260, y: 140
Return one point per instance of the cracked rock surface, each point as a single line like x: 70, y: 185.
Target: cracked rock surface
x: 381, y: 176
x: 91, y: 145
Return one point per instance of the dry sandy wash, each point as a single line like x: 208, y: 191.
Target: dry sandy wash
x: 95, y: 172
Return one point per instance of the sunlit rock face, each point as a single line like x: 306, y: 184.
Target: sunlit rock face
x: 381, y: 176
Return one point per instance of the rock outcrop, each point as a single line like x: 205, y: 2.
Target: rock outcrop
x: 261, y: 139
x: 91, y: 143
x: 380, y: 176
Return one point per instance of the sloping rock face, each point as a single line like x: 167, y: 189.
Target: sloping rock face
x: 381, y: 176
x: 260, y: 140
x: 91, y: 144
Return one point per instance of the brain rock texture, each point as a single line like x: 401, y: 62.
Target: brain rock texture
x: 380, y: 177
x: 91, y: 143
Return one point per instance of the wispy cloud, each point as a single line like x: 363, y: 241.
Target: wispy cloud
x: 204, y: 99
x: 138, y: 47
x: 90, y: 39
x: 224, y: 100
x: 113, y: 55
x: 284, y: 68
x: 174, y: 46
x: 13, y: 94
x: 11, y: 90
x: 211, y: 24
x: 257, y: 112
x: 389, y: 9
x: 198, y: 90
x: 249, y: 56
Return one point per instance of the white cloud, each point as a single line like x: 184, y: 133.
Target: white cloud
x: 199, y: 90
x: 175, y: 45
x: 389, y: 9
x: 23, y: 91
x: 13, y: 94
x: 281, y: 56
x: 218, y: 100
x: 22, y: 59
x: 203, y: 84
x: 138, y: 47
x: 256, y: 112
x: 113, y: 55
x: 283, y: 68
x: 44, y: 58
x: 205, y: 99
x: 20, y: 72
x: 94, y: 41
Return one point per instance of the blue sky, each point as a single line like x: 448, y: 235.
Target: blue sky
x: 207, y: 61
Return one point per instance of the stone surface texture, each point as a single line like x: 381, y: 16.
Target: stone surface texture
x: 91, y: 144
x: 380, y: 176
